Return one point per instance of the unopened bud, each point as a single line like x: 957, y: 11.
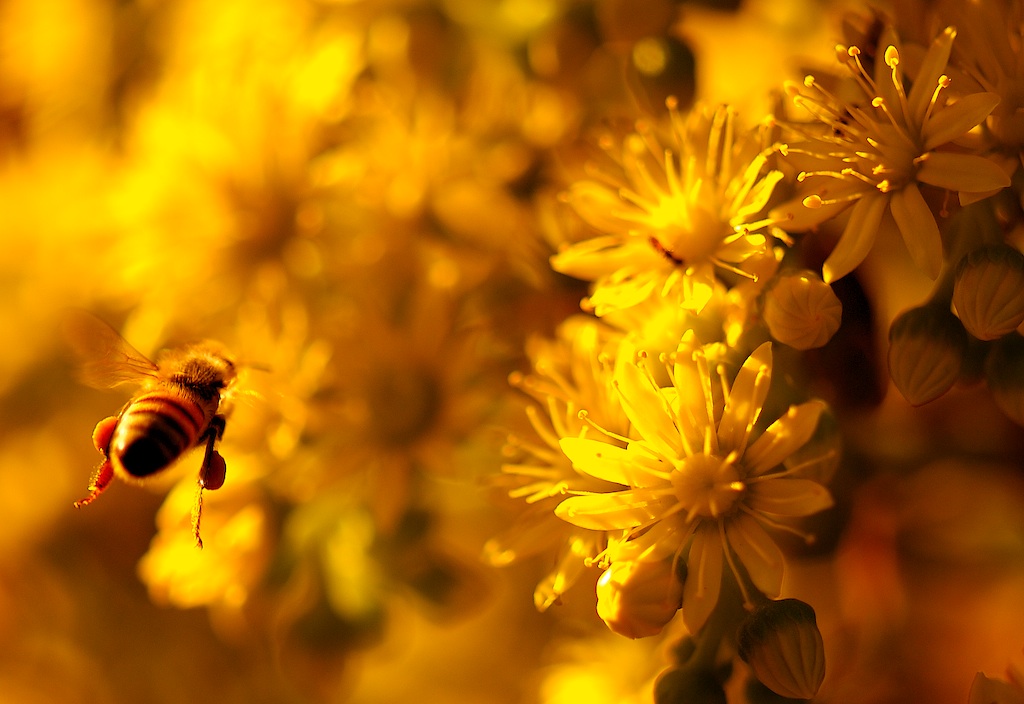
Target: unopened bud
x: 782, y: 644
x: 802, y: 311
x: 927, y: 347
x: 688, y: 686
x: 989, y: 291
x: 636, y: 599
x: 1004, y: 372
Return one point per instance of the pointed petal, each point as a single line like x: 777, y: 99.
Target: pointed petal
x: 623, y: 291
x: 857, y: 238
x: 703, y: 577
x: 647, y: 409
x: 746, y: 398
x: 933, y: 66
x: 613, y: 511
x: 783, y: 496
x: 758, y: 553
x: 599, y: 205
x: 917, y: 225
x: 954, y: 120
x: 783, y: 437
x: 961, y: 172
x: 604, y: 461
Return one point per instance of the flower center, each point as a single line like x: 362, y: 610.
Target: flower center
x: 707, y: 485
x: 688, y: 235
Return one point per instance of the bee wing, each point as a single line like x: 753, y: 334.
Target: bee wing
x: 105, y: 359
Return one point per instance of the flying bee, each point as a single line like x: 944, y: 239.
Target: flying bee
x: 182, y: 403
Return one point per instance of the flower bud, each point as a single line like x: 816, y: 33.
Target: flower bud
x: 927, y: 347
x: 802, y: 311
x: 782, y: 644
x: 636, y: 599
x: 989, y: 291
x: 688, y: 686
x: 1004, y: 372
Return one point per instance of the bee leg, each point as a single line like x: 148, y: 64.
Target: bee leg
x: 99, y: 482
x: 102, y: 434
x: 211, y: 474
x: 102, y: 475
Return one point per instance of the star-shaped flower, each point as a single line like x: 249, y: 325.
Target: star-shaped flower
x: 877, y: 150
x: 701, y: 484
x: 675, y: 214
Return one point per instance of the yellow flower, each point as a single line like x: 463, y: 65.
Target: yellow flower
x: 990, y: 57
x: 674, y: 215
x: 698, y: 480
x: 878, y: 149
x: 570, y: 374
x: 237, y: 547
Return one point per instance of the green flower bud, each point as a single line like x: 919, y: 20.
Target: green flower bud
x: 927, y: 347
x: 688, y: 686
x: 636, y: 599
x: 1004, y: 372
x: 989, y: 291
x: 801, y: 310
x: 782, y: 644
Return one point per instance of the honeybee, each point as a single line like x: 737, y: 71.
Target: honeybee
x: 182, y: 402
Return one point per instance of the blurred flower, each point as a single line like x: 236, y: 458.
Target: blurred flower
x: 698, y: 476
x: 988, y: 56
x: 572, y: 376
x: 237, y: 546
x: 876, y: 158
x: 601, y: 668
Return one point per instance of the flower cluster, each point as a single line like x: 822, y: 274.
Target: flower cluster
x: 703, y: 322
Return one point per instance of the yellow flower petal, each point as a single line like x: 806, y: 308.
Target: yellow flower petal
x: 783, y: 496
x: 857, y: 238
x: 614, y: 511
x: 604, y: 461
x: 783, y: 437
x: 917, y: 225
x: 758, y: 553
x: 932, y: 67
x: 647, y: 410
x: 746, y: 398
x: 703, y: 577
x: 603, y: 256
x: 957, y: 119
x: 961, y: 172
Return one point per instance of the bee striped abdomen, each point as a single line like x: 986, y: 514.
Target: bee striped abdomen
x: 154, y: 430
